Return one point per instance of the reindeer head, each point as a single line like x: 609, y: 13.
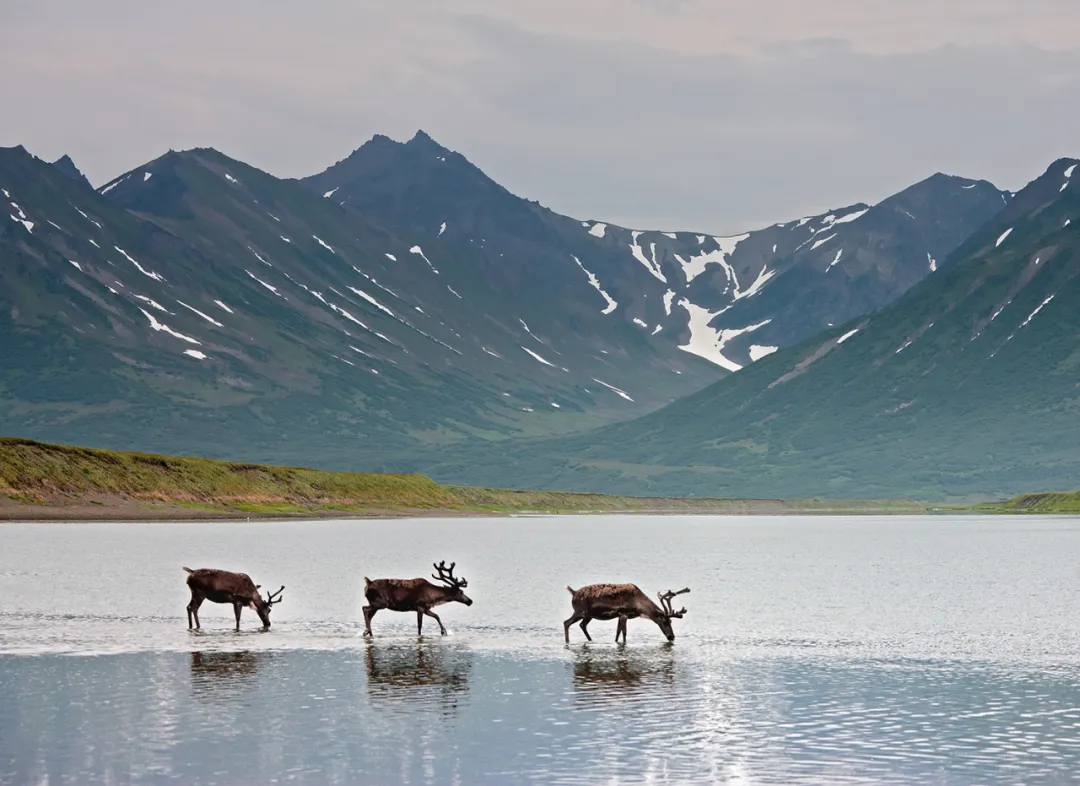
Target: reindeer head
x: 668, y: 614
x: 262, y: 605
x: 446, y: 576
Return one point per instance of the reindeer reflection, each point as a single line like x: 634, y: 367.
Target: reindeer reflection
x: 417, y: 672
x: 616, y: 673
x: 224, y: 674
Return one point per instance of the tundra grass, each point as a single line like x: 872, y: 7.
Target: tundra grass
x: 35, y: 473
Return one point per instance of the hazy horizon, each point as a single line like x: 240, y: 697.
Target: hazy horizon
x: 666, y: 114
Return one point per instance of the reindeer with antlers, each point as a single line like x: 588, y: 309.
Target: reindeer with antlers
x: 223, y: 586
x: 418, y: 595
x: 623, y: 602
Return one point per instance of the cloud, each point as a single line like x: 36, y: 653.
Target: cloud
x: 643, y: 113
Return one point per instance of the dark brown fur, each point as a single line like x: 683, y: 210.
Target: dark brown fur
x: 418, y: 595
x: 622, y: 602
x: 224, y: 586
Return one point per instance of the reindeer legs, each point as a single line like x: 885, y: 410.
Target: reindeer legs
x: 434, y: 616
x: 566, y: 625
x: 369, y: 614
x: 621, y: 628
x: 238, y: 607
x: 193, y: 609
x: 584, y: 627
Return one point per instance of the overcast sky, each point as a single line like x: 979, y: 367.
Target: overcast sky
x: 717, y: 116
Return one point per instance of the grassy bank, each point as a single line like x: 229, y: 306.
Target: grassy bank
x: 43, y: 481
x: 1046, y: 502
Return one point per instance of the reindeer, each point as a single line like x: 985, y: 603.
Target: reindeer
x: 223, y: 586
x: 623, y: 602
x: 418, y: 595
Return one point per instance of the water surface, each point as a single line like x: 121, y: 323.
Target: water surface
x: 840, y: 650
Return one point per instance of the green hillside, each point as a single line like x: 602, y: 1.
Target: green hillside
x: 39, y: 480
x: 967, y: 387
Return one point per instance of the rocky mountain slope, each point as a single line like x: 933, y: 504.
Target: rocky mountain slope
x: 399, y: 302
x: 197, y: 304
x: 966, y: 386
x: 730, y: 300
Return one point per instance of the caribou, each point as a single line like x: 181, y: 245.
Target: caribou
x: 623, y: 602
x: 223, y: 586
x: 418, y: 595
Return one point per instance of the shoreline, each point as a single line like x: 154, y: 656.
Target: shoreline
x: 109, y: 508
x: 40, y: 482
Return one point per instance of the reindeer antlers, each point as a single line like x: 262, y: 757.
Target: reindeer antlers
x: 665, y: 602
x: 274, y: 597
x: 446, y: 575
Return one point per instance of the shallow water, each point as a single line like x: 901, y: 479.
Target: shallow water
x: 815, y: 650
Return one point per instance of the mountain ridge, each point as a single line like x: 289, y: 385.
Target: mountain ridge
x: 962, y: 388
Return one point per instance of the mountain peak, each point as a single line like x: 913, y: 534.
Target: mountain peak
x: 421, y: 139
x: 67, y: 166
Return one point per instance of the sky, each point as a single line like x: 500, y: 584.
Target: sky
x: 718, y: 116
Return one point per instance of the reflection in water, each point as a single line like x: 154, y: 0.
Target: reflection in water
x: 623, y: 670
x: 418, y: 672
x: 588, y: 715
x: 224, y: 674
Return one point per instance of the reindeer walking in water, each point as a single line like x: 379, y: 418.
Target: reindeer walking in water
x: 623, y: 602
x: 223, y: 586
x: 418, y: 595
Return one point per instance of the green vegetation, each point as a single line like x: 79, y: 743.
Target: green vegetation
x: 65, y: 480
x: 1062, y: 502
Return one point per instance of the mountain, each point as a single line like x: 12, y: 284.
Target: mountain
x: 199, y: 305
x: 67, y: 166
x: 966, y: 386
x: 730, y: 300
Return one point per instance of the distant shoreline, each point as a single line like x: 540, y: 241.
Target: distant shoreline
x: 40, y: 482
x: 132, y: 510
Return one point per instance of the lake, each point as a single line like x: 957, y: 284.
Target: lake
x: 815, y: 650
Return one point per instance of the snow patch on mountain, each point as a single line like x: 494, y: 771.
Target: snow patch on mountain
x: 669, y: 298
x: 153, y: 303
x: 725, y: 247
x: 639, y: 255
x: 141, y: 269
x: 420, y: 252
x: 597, y: 230
x: 595, y: 282
x: 538, y: 358
x: 757, y: 352
x: 846, y: 336
x: 372, y: 301
x: 29, y: 225
x: 324, y: 244
x: 194, y: 353
x: 207, y: 317
x: 1004, y: 235
x: 268, y: 286
x: 707, y: 342
x: 92, y: 221
x: 835, y: 260
x: 759, y: 282
x: 160, y: 327
x: 113, y: 185
x: 223, y: 307
x: 1038, y: 308
x: 256, y: 253
x: 621, y: 393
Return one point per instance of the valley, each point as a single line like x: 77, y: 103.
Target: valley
x: 402, y: 312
